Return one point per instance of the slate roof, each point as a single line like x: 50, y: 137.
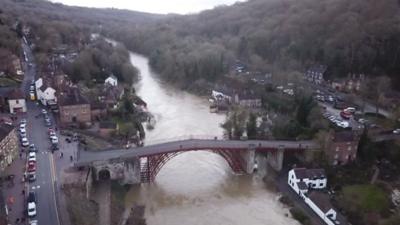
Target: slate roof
x: 321, y: 200
x: 302, y: 185
x: 15, y: 94
x: 302, y: 173
x: 73, y: 97
x: 344, y: 136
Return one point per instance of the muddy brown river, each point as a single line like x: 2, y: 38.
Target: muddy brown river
x: 198, y: 187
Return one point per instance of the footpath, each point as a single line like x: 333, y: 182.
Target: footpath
x: 14, y: 189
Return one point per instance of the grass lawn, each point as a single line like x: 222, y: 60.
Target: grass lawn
x: 368, y: 198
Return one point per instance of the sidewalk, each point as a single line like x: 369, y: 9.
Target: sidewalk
x: 12, y: 191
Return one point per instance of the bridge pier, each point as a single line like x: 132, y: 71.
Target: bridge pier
x: 131, y: 172
x: 275, y: 158
x: 248, y: 160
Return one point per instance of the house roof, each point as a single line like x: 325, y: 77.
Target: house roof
x: 302, y: 185
x: 15, y: 94
x: 317, y: 69
x: 112, y: 77
x: 302, y: 173
x: 73, y: 97
x: 321, y: 200
x: 107, y: 125
x: 344, y: 136
x: 5, y: 129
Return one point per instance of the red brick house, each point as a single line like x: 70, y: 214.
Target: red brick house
x: 343, y: 148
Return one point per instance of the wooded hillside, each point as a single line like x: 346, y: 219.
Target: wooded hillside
x: 358, y: 36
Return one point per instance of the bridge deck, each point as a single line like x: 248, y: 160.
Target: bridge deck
x: 88, y: 157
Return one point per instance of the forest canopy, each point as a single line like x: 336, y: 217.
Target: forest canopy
x: 358, y: 36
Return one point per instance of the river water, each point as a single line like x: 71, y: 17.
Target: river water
x: 197, y: 188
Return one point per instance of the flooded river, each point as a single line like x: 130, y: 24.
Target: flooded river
x: 197, y: 188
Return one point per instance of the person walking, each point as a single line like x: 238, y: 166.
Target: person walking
x: 71, y: 158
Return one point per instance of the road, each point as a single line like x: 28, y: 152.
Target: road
x: 45, y: 171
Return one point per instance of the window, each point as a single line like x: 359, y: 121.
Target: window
x: 321, y: 184
x: 314, y: 185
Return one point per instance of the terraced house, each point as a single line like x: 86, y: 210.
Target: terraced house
x: 8, y: 145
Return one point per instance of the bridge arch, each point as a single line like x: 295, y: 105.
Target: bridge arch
x: 104, y: 174
x: 151, y: 165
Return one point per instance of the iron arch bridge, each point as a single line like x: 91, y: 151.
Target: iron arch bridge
x: 153, y: 157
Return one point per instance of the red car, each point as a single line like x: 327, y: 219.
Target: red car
x: 345, y: 115
x: 31, y: 167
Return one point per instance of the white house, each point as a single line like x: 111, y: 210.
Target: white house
x: 16, y: 101
x: 307, y: 183
x: 302, y: 179
x: 44, y: 92
x: 111, y: 80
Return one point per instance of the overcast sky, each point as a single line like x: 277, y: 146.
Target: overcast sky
x: 153, y: 6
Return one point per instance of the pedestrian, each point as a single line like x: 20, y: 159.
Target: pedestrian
x: 71, y: 158
x: 23, y: 192
x: 62, y: 154
x: 17, y: 220
x: 20, y: 155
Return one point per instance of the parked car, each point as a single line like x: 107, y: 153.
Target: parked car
x: 345, y: 115
x: 31, y: 204
x: 350, y: 110
x: 396, y: 131
x: 44, y: 112
x: 33, y: 222
x: 32, y: 157
x: 31, y: 167
x: 32, y: 176
x: 23, y: 121
x: 48, y: 123
x: 24, y: 142
x: 54, y: 139
x: 343, y: 124
x: 32, y: 148
x: 54, y: 147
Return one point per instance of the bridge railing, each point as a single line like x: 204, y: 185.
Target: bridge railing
x: 182, y: 138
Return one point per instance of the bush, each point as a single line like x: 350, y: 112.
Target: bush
x: 299, y: 216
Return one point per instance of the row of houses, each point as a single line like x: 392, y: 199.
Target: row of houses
x: 309, y: 184
x: 222, y: 100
